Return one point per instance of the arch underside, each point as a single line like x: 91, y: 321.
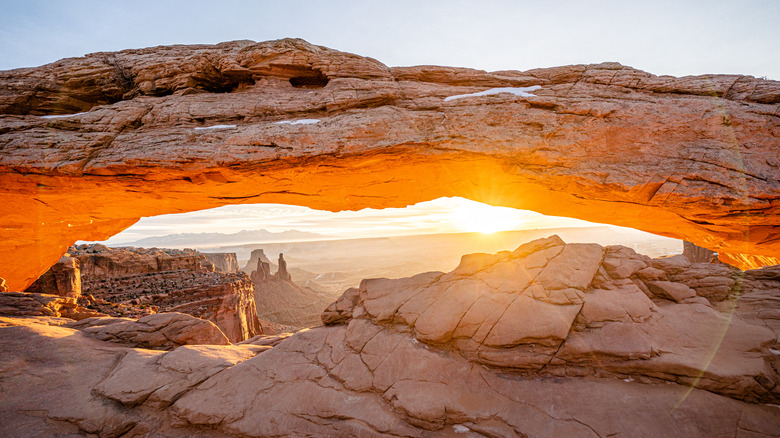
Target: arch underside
x: 693, y: 158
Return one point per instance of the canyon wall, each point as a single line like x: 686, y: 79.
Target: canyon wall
x: 223, y: 261
x: 181, y: 128
x: 138, y: 281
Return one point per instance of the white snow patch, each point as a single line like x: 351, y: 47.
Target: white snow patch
x: 518, y: 91
x: 61, y: 116
x: 459, y: 428
x: 215, y: 127
x: 298, y: 122
x: 628, y: 380
x: 775, y: 352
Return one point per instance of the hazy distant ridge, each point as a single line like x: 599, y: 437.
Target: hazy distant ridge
x: 209, y: 239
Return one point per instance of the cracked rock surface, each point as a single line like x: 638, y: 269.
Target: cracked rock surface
x: 180, y: 128
x: 551, y: 339
x: 164, y: 331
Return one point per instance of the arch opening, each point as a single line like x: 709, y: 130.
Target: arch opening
x: 158, y: 264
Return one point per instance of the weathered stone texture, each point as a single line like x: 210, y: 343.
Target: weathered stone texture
x: 693, y: 157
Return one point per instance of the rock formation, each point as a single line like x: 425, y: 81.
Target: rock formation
x: 167, y: 280
x: 179, y: 128
x: 262, y: 273
x: 281, y: 301
x: 162, y: 331
x: 583, y: 310
x: 697, y: 254
x: 99, y: 261
x: 26, y: 304
x: 62, y: 279
x: 551, y: 339
x: 223, y: 261
x: 282, y: 273
x: 255, y: 257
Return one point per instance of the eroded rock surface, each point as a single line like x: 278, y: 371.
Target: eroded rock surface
x: 25, y: 304
x: 180, y: 128
x: 548, y: 308
x: 547, y: 340
x: 223, y: 261
x: 163, y: 331
x: 137, y: 281
x: 63, y: 279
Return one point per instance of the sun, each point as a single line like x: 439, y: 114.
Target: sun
x: 471, y: 216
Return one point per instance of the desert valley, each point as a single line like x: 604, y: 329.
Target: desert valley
x: 593, y: 331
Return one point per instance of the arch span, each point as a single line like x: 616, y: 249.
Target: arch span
x: 694, y: 158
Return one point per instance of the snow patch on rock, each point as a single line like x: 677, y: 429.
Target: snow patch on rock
x: 517, y: 91
x: 215, y: 127
x: 61, y: 116
x: 298, y: 122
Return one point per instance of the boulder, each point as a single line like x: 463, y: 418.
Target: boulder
x: 670, y: 290
x: 162, y: 331
x: 63, y: 279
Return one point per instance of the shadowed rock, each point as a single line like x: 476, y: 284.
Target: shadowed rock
x: 63, y: 279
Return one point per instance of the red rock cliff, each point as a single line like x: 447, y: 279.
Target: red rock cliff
x: 170, y: 280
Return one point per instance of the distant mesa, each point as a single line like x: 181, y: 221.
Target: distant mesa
x: 200, y: 240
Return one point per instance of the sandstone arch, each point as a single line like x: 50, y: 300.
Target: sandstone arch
x: 180, y: 128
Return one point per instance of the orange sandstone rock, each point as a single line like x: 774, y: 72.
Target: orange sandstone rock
x: 180, y: 128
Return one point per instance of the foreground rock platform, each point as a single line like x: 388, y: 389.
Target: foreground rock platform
x: 180, y: 128
x: 551, y: 339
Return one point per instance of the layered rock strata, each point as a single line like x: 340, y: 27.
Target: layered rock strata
x: 548, y: 340
x: 698, y: 254
x: 179, y: 128
x: 223, y: 261
x: 62, y: 279
x: 168, y: 280
x: 25, y: 304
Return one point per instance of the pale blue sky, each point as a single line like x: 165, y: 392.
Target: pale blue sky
x: 662, y: 37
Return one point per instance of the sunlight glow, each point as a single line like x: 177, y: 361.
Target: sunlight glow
x: 472, y: 216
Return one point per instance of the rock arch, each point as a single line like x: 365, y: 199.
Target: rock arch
x: 693, y: 158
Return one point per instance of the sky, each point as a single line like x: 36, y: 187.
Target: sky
x: 659, y: 36
x: 443, y: 215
